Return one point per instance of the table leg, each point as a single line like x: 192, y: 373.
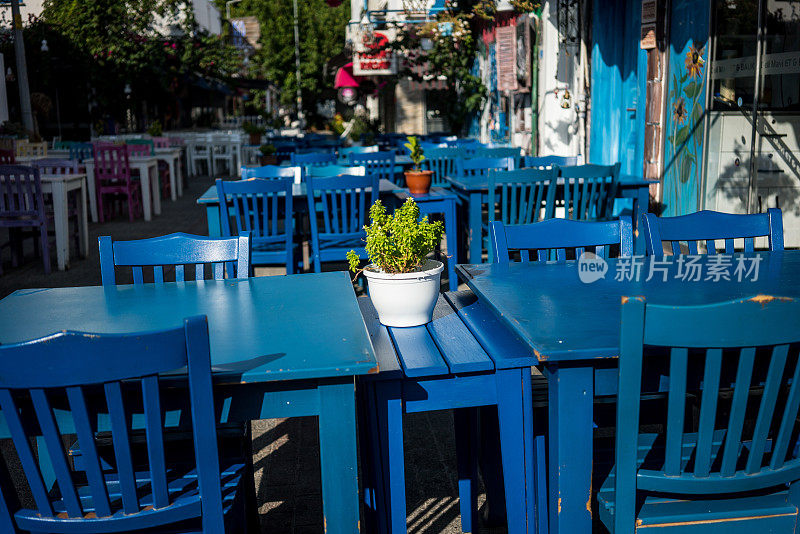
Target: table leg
x: 466, y: 421
x: 61, y: 220
x: 570, y: 398
x: 90, y: 185
x: 389, y: 403
x: 83, y: 223
x: 173, y: 182
x: 155, y: 188
x: 144, y: 181
x: 178, y: 174
x: 452, y: 242
x: 516, y: 444
x: 339, y: 467
x: 475, y: 232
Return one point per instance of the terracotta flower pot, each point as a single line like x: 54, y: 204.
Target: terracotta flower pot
x: 419, y: 182
x: 269, y: 160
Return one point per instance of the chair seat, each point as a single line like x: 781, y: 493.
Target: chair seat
x: 183, y: 490
x: 771, y: 512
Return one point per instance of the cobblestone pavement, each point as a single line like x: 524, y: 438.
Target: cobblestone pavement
x: 286, y: 450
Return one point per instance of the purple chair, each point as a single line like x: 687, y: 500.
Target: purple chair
x: 22, y: 205
x: 161, y: 142
x: 113, y: 178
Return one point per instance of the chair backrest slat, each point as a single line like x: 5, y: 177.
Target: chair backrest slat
x: 766, y: 410
x: 560, y: 237
x: 733, y: 439
x: 122, y: 446
x: 173, y: 250
x: 708, y: 412
x: 708, y: 226
x: 91, y: 465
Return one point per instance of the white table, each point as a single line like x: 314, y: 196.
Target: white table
x: 172, y: 157
x: 151, y: 188
x: 59, y: 187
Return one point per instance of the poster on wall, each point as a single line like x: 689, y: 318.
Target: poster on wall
x: 506, y: 58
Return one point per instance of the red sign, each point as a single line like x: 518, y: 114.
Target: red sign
x: 378, y: 59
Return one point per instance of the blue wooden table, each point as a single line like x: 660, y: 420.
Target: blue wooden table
x: 282, y: 346
x: 444, y: 365
x: 440, y: 200
x: 573, y: 328
x: 211, y: 202
x: 474, y: 193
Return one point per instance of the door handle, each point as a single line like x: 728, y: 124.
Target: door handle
x: 630, y: 109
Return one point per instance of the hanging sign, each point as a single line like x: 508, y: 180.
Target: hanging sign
x: 374, y: 58
x: 506, y: 40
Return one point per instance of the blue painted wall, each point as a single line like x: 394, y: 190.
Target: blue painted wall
x: 619, y: 75
x: 685, y: 106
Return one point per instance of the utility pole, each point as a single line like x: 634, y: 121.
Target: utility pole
x: 22, y: 68
x: 299, y: 97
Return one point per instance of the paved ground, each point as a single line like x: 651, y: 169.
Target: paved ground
x: 287, y: 450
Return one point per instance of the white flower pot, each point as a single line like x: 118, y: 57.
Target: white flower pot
x: 405, y: 299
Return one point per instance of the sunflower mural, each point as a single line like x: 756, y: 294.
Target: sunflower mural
x: 684, y: 129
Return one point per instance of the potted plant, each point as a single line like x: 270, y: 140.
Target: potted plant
x: 155, y: 130
x: 417, y: 181
x: 254, y: 131
x: 403, y: 283
x: 268, y: 156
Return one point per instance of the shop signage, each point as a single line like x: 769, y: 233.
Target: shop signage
x: 506, y: 58
x: 745, y: 67
x: 374, y: 58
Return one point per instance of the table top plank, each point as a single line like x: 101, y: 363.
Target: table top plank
x: 384, y: 349
x: 563, y: 319
x: 501, y: 344
x: 260, y: 329
x: 481, y: 183
x: 298, y: 190
x: 418, y: 354
x: 462, y: 353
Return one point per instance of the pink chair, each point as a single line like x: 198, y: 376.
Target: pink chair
x: 113, y: 178
x: 161, y: 142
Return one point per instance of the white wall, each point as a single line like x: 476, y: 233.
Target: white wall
x: 208, y: 17
x: 558, y: 127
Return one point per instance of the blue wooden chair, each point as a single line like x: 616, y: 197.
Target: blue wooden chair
x: 442, y: 161
x: 179, y: 250
x: 380, y: 164
x: 202, y: 494
x: 522, y: 196
x: 471, y: 167
x: 344, y: 153
x: 263, y: 209
x: 560, y: 239
x: 284, y: 151
x: 708, y: 226
x: 500, y: 152
x: 334, y: 170
x: 736, y: 467
x: 344, y: 202
x: 589, y: 191
x: 80, y: 151
x: 312, y: 159
x: 549, y: 161
x: 268, y: 171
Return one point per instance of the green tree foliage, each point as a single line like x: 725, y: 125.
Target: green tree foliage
x: 322, y: 36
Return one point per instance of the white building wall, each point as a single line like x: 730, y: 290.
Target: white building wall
x: 559, y: 132
x: 207, y: 16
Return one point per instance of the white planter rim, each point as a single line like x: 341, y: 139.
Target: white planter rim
x: 428, y: 268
